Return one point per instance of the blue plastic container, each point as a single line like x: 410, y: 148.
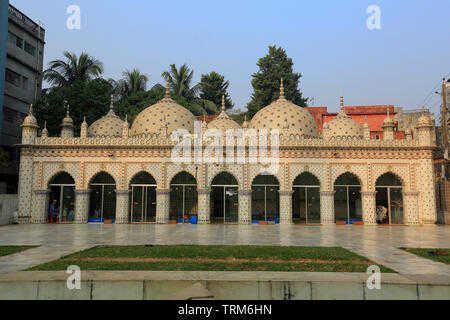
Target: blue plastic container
x: 193, y: 220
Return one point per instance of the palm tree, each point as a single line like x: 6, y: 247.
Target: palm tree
x: 180, y: 81
x: 132, y: 82
x: 62, y: 73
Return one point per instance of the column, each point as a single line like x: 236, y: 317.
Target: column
x: 327, y: 207
x: 411, y: 214
x: 82, y: 198
x: 162, y: 206
x: 286, y: 207
x: 369, y: 207
x: 39, y: 208
x: 25, y: 192
x: 245, y: 206
x: 427, y: 195
x: 204, y: 199
x: 122, y: 206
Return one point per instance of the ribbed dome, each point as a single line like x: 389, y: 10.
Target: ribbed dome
x: 67, y: 121
x: 343, y: 126
x: 223, y: 122
x: 285, y: 116
x: 166, y: 110
x: 109, y: 125
x: 424, y: 120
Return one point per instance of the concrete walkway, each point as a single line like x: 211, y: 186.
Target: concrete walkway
x: 380, y: 244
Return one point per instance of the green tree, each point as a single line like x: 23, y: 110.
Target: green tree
x: 180, y: 81
x: 266, y: 82
x: 132, y: 82
x: 90, y: 100
x: 212, y: 87
x: 63, y: 73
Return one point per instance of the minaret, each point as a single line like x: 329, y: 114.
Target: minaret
x: 245, y: 124
x: 408, y: 131
x: 125, y: 129
x: 29, y: 134
x: 366, y: 129
x: 84, y: 129
x: 425, y: 129
x: 388, y: 127
x: 325, y: 129
x: 44, y: 133
x: 67, y: 125
x: 29, y: 128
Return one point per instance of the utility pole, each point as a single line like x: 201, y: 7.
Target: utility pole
x: 444, y: 124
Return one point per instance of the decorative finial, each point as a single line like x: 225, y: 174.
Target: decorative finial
x: 68, y: 110
x: 167, y: 90
x: 45, y: 124
x: 282, y: 89
x: 84, y: 119
x: 31, y: 110
x: 387, y: 111
x: 126, y: 118
x: 223, y: 103
x: 423, y: 109
x: 342, y: 102
x: 111, y: 104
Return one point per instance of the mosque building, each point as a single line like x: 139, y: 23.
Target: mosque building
x: 114, y: 172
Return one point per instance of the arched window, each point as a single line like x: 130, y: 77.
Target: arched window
x: 62, y: 189
x: 347, y: 198
x: 224, y: 199
x: 265, y: 199
x: 103, y: 198
x: 143, y: 198
x: 183, y: 197
x: 389, y: 199
x: 306, y: 199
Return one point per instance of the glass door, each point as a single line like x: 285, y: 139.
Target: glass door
x: 231, y: 210
x: 312, y: 205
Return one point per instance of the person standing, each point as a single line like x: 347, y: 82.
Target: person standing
x: 54, y: 212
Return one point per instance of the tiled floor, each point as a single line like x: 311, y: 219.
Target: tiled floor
x: 380, y: 244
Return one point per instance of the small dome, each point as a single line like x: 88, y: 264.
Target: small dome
x: 109, y: 125
x: 223, y: 122
x: 30, y: 120
x: 344, y: 126
x: 67, y: 121
x: 424, y: 120
x: 166, y: 110
x: 272, y: 117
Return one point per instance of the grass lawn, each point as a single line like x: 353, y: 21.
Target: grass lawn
x: 214, y: 258
x: 424, y: 252
x: 6, y: 250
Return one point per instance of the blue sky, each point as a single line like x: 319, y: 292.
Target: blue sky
x: 327, y: 40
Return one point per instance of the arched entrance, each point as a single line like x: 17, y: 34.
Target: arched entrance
x: 265, y: 198
x: 143, y: 198
x: 62, y: 189
x: 389, y: 199
x: 347, y: 198
x: 306, y: 199
x: 183, y: 197
x: 224, y: 199
x: 103, y: 198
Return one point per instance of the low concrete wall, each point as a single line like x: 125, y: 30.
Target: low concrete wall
x: 124, y: 285
x: 8, y: 204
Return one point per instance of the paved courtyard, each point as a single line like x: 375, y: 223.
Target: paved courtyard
x: 380, y: 244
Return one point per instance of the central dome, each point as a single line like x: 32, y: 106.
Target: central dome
x: 165, y: 111
x: 285, y: 116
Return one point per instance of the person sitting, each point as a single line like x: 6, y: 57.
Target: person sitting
x: 54, y: 212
